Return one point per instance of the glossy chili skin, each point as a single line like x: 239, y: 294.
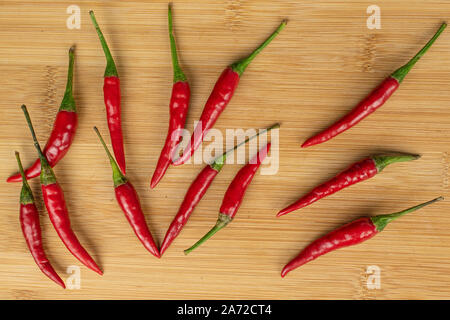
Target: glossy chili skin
x: 128, y: 200
x: 59, y: 216
x: 355, y: 232
x: 179, y: 104
x: 111, y: 95
x: 220, y: 97
x: 31, y: 229
x: 63, y: 131
x: 374, y: 100
x: 218, y: 100
x: 232, y: 199
x: 193, y: 196
x: 234, y: 195
x: 58, y: 144
x: 357, y: 172
x: 350, y: 234
x: 371, y: 103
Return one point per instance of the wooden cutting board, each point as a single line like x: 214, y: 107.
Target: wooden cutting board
x: 316, y: 70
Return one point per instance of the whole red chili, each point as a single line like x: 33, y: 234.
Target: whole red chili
x: 234, y: 195
x: 63, y: 130
x: 357, y: 172
x: 56, y: 206
x: 220, y: 97
x: 373, y: 101
x: 128, y: 200
x: 111, y: 94
x: 350, y: 234
x: 179, y: 104
x: 31, y: 229
x: 197, y: 190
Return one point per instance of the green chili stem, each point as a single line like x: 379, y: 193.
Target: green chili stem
x: 26, y: 196
x: 222, y: 221
x: 68, y: 102
x: 218, y: 162
x: 111, y: 70
x: 47, y: 175
x: 383, y: 161
x: 381, y: 221
x: 118, y: 176
x: 178, y: 74
x: 241, y: 65
x: 401, y: 73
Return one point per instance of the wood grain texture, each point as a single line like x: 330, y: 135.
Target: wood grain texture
x: 318, y: 68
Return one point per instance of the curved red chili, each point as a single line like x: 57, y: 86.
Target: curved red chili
x: 220, y: 97
x: 56, y: 207
x: 234, y: 195
x: 31, y: 229
x: 350, y: 234
x: 197, y: 190
x: 374, y: 100
x: 63, y: 131
x: 357, y: 172
x: 111, y: 94
x: 128, y: 200
x: 179, y: 104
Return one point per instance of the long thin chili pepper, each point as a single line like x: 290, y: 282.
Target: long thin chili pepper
x: 350, y: 234
x: 197, y: 190
x: 357, y: 172
x: 220, y: 97
x: 56, y: 206
x: 373, y: 101
x: 111, y: 94
x: 179, y: 104
x: 31, y: 229
x: 234, y: 195
x: 63, y: 131
x: 128, y: 200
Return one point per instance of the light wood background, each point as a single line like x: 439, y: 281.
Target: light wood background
x: 317, y: 69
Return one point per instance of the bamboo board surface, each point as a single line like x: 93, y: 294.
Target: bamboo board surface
x: 318, y: 68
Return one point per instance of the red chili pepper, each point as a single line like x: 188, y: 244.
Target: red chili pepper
x: 179, y: 104
x: 197, y: 190
x: 357, y: 172
x: 56, y: 206
x: 373, y: 101
x: 128, y: 200
x: 220, y: 97
x: 63, y: 130
x: 350, y: 234
x: 111, y: 94
x: 234, y: 195
x: 31, y: 229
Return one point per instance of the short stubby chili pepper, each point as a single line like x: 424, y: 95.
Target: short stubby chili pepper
x: 111, y: 95
x: 355, y: 232
x: 128, y: 200
x: 373, y: 101
x: 220, y: 97
x: 31, y: 229
x: 197, y: 190
x: 56, y: 206
x: 179, y: 104
x: 357, y: 172
x: 234, y: 195
x: 63, y: 131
